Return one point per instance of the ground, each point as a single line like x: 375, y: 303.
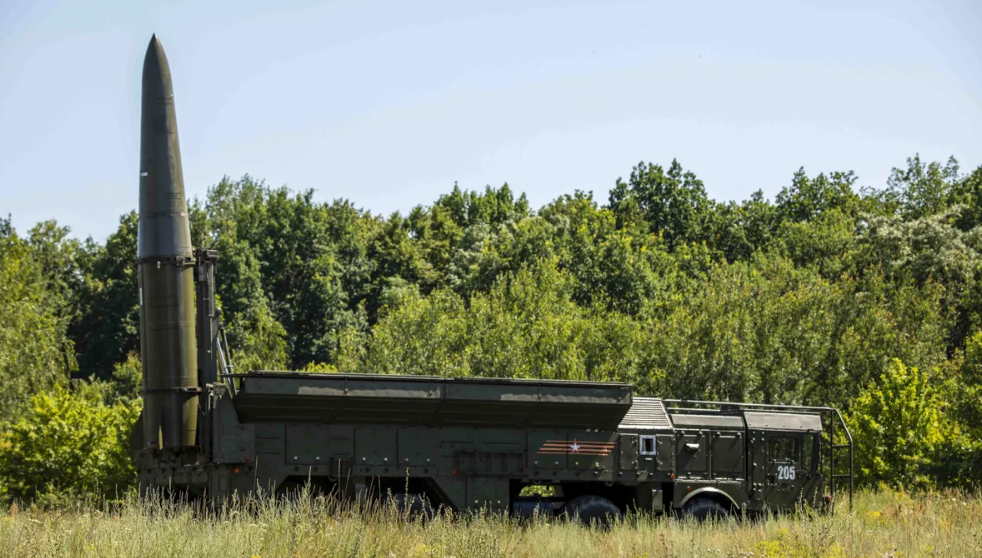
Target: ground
x: 882, y: 523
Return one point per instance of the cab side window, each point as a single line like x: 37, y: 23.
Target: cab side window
x: 784, y: 449
x: 810, y: 449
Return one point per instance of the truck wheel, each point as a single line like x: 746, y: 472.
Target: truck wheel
x: 702, y: 508
x: 593, y: 510
x: 412, y: 505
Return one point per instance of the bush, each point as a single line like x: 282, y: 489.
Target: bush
x: 68, y: 444
x: 898, y: 424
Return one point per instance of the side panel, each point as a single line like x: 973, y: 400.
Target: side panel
x: 233, y: 442
x: 483, y: 463
x: 629, y: 452
x: 454, y: 489
x: 417, y: 446
x: 270, y: 456
x: 591, y: 451
x: 665, y: 456
x: 342, y: 441
x: 757, y: 466
x: 487, y: 492
x: 375, y: 445
x: 692, y: 455
x: 547, y: 449
x: 811, y: 490
x: 307, y: 444
x: 728, y: 455
x: 784, y: 473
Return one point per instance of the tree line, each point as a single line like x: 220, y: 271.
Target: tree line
x: 868, y: 299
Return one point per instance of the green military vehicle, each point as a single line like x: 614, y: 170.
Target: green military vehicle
x: 471, y: 443
x: 463, y: 444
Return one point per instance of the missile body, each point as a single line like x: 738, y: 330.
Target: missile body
x: 165, y: 267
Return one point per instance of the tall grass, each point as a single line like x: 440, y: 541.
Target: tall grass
x: 881, y: 524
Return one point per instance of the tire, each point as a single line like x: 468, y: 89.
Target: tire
x: 702, y: 509
x: 593, y: 510
x: 410, y: 505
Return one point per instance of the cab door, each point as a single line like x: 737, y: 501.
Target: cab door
x: 814, y: 481
x: 783, y: 474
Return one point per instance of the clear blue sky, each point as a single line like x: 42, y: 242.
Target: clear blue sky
x: 388, y: 104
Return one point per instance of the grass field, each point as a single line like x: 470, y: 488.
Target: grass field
x: 881, y: 524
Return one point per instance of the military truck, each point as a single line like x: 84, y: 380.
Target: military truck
x: 472, y: 443
x: 461, y: 443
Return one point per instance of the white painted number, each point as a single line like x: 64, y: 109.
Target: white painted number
x: 785, y: 472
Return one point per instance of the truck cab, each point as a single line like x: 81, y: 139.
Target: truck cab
x: 727, y: 458
x: 785, y: 448
x: 788, y: 459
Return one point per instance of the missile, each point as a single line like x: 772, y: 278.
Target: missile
x: 165, y: 268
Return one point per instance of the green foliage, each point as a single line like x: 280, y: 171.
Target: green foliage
x: 807, y: 298
x: 127, y: 384
x: 35, y: 354
x: 68, y: 444
x: 107, y: 326
x: 921, y: 189
x: 527, y: 326
x: 808, y: 198
x: 673, y: 203
x: 292, y: 271
x: 897, y: 423
x: 768, y: 331
x: 958, y: 460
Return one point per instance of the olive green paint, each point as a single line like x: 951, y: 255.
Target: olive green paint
x: 466, y: 444
x: 166, y: 275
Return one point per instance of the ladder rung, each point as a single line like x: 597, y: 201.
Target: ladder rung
x: 839, y: 446
x: 842, y: 476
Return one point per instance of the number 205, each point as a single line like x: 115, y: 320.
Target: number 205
x: 785, y: 472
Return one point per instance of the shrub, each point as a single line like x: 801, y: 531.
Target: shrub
x: 67, y: 444
x: 897, y: 424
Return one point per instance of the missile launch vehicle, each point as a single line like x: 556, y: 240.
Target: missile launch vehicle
x: 460, y: 443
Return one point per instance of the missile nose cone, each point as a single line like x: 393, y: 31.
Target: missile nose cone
x: 163, y: 227
x: 156, y: 72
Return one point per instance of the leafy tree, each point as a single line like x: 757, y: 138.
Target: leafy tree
x: 527, y: 326
x: 804, y: 299
x: 897, y: 422
x: 969, y: 386
x: 257, y: 339
x: 808, y: 198
x: 308, y: 258
x: 673, y: 203
x: 127, y: 384
x: 68, y: 444
x: 106, y: 327
x: 932, y: 249
x: 921, y: 189
x: 742, y: 229
x: 826, y: 243
x: 493, y: 207
x: 620, y: 268
x: 969, y: 193
x: 35, y: 354
x: 56, y: 253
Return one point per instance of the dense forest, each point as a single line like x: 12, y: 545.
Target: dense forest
x: 865, y: 298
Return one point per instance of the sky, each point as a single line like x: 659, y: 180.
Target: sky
x: 388, y: 104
